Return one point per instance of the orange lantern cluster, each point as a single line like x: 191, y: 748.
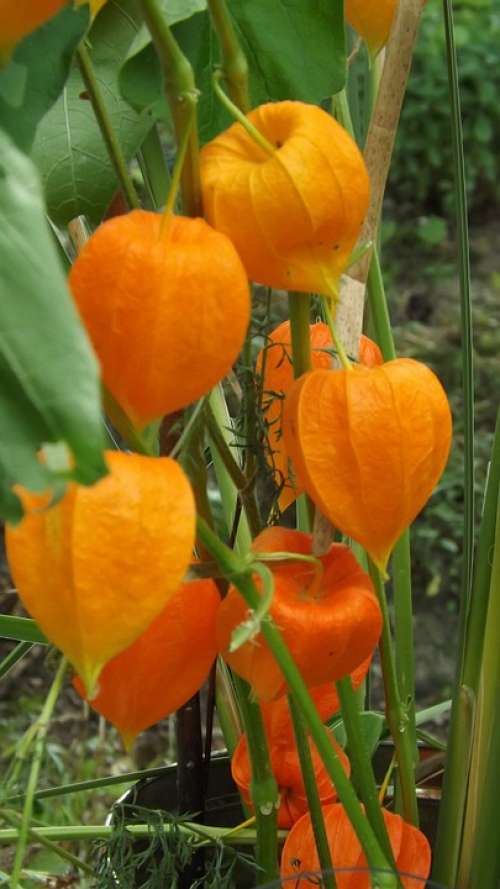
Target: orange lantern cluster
x: 328, y: 615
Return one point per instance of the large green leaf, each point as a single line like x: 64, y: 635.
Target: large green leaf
x: 69, y: 150
x: 295, y: 50
x: 49, y: 387
x: 37, y: 72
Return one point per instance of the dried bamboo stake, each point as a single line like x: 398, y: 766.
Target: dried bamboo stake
x: 378, y: 154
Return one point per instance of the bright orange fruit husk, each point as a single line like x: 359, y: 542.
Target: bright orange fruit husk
x: 20, y: 17
x: 95, y: 569
x: 285, y: 764
x: 166, y: 310
x: 274, y: 363
x: 294, y: 216
x: 276, y: 713
x: 410, y: 847
x: 330, y: 624
x: 164, y: 667
x: 372, y: 21
x: 369, y: 445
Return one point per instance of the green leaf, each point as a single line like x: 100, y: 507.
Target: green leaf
x: 372, y: 726
x: 295, y: 50
x: 37, y: 72
x: 23, y: 629
x: 69, y: 150
x: 49, y: 387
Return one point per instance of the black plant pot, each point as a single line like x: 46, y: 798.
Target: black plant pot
x: 223, y: 807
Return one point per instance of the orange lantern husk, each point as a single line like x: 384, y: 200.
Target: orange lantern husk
x: 164, y: 667
x: 295, y: 215
x: 274, y: 364
x: 95, y: 569
x: 369, y: 445
x: 166, y: 308
x: 285, y: 764
x: 329, y: 618
x: 410, y: 848
x: 372, y: 21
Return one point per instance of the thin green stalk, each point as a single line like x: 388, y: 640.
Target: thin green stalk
x: 14, y: 656
x: 238, y: 477
x: 233, y: 567
x: 263, y: 787
x: 227, y: 710
x: 479, y: 863
x: 361, y: 764
x: 136, y: 439
x: 42, y: 728
x: 258, y: 137
x: 454, y: 787
x: 106, y: 127
x: 154, y: 168
x: 313, y: 800
x: 83, y: 786
x: 227, y: 487
x: 181, y: 94
x: 396, y: 711
x: 299, y: 307
x: 337, y: 342
x: 234, y: 63
x: 91, y: 832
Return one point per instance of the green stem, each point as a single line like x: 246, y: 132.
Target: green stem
x: 181, y: 93
x: 361, y: 764
x: 179, y: 164
x: 227, y: 487
x: 233, y: 568
x: 313, y: 799
x: 337, y: 342
x: 299, y: 306
x: 396, y: 712
x: 235, y: 112
x: 263, y: 788
x: 14, y: 656
x: 234, y: 63
x: 91, y: 832
x: 103, y: 119
x: 154, y: 168
x: 238, y: 477
x: 36, y: 763
x: 93, y: 784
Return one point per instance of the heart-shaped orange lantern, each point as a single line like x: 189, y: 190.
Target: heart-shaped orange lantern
x: 330, y: 619
x: 274, y: 363
x: 369, y: 445
x: 285, y: 764
x: 164, y: 667
x: 410, y: 848
x: 166, y: 309
x: 372, y: 21
x: 294, y: 213
x: 95, y: 569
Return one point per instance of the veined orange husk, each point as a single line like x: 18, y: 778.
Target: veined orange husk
x: 294, y: 216
x: 331, y: 624
x: 166, y: 310
x: 285, y: 764
x: 410, y: 847
x: 20, y: 17
x: 95, y: 569
x: 274, y: 362
x: 369, y: 445
x: 164, y: 667
x: 276, y: 713
x: 373, y: 21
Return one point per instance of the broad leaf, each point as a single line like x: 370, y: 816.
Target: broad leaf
x: 69, y: 149
x: 49, y: 387
x: 371, y: 724
x: 37, y: 72
x: 295, y: 50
